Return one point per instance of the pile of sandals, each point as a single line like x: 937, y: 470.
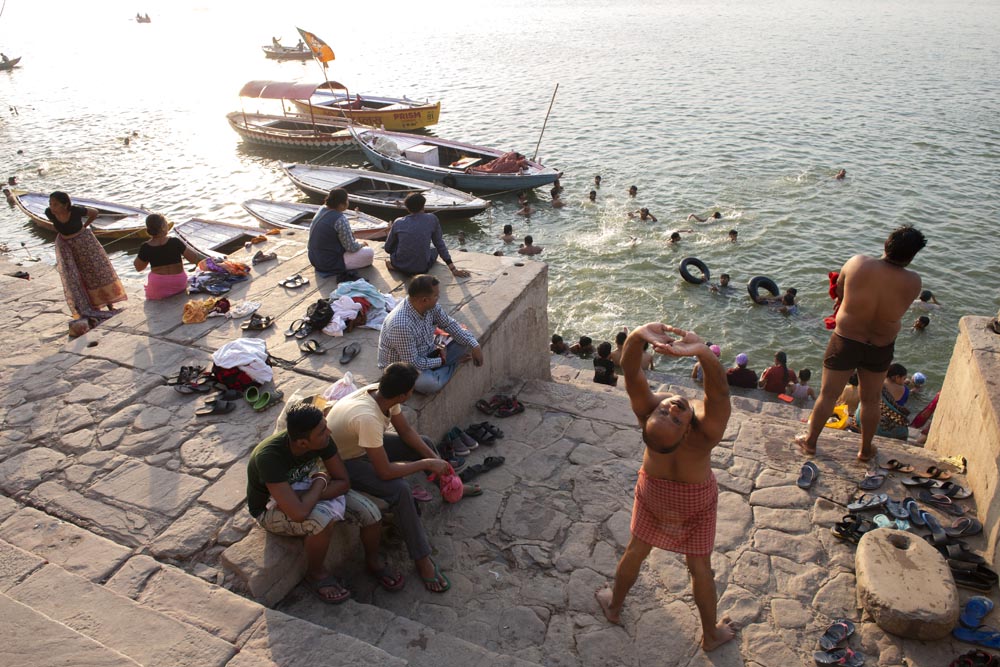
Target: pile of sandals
x: 192, y: 380
x: 500, y: 405
x: 970, y: 629
x: 834, y: 648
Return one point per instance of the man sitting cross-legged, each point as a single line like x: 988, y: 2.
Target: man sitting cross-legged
x: 297, y: 485
x: 377, y: 462
x: 676, y: 497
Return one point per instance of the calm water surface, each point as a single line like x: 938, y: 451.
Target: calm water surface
x: 745, y: 108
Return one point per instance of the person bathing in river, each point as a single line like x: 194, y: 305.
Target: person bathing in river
x: 164, y: 255
x: 714, y: 216
x: 644, y: 215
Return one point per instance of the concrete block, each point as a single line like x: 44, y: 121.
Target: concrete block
x: 906, y: 585
x: 147, y: 636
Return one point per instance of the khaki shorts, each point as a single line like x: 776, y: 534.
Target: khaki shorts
x: 359, y: 511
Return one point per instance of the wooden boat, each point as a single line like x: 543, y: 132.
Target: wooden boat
x: 291, y: 215
x: 448, y: 162
x: 213, y: 238
x: 287, y: 130
x: 392, y: 113
x: 290, y: 131
x: 287, y: 52
x: 383, y: 194
x: 143, y: 19
x: 114, y: 221
x: 10, y: 64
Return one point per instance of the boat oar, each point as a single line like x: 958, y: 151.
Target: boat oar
x: 551, y: 102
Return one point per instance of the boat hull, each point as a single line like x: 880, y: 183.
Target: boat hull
x: 383, y: 195
x: 292, y: 215
x: 10, y: 64
x: 394, y: 114
x: 212, y: 238
x: 267, y: 130
x: 114, y: 221
x: 455, y: 177
x: 286, y: 53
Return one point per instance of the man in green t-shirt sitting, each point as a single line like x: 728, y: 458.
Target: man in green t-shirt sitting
x: 297, y: 485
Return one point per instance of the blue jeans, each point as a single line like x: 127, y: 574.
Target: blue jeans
x: 431, y: 381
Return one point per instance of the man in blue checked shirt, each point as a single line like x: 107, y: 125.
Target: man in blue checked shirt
x: 408, y: 335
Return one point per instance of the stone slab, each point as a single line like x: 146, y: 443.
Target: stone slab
x: 22, y: 472
x: 229, y: 491
x: 131, y: 578
x: 16, y: 564
x: 188, y: 534
x: 215, y: 610
x: 20, y: 641
x: 292, y: 642
x: 906, y: 585
x: 151, y: 488
x: 123, y: 526
x: 75, y: 549
x: 148, y: 637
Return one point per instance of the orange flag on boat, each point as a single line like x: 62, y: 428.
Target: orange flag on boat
x: 319, y: 48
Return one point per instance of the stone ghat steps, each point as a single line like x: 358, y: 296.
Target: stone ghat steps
x: 145, y: 614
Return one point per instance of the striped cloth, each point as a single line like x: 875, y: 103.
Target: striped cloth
x: 676, y: 516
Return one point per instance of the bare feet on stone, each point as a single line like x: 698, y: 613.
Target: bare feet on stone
x: 867, y: 457
x: 603, y: 596
x: 802, y: 442
x: 722, y: 633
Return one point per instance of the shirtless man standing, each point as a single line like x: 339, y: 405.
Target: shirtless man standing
x: 676, y: 497
x: 874, y: 294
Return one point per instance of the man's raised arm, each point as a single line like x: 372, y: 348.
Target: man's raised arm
x: 643, y: 400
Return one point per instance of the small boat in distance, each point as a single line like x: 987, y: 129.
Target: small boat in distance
x: 292, y: 215
x: 141, y: 18
x: 383, y: 194
x: 114, y: 221
x: 392, y: 113
x: 9, y: 63
x: 457, y: 165
x: 213, y: 238
x: 278, y: 52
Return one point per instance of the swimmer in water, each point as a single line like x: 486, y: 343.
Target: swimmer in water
x: 597, y: 181
x: 733, y: 235
x: 529, y: 247
x: 675, y: 236
x: 508, y: 234
x: 526, y: 210
x: 592, y: 197
x: 633, y: 191
x: 644, y: 215
x: 557, y: 201
x: 841, y: 174
x: 714, y: 216
x: 921, y: 323
x: 723, y: 285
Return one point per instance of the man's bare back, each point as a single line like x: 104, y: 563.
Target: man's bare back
x: 876, y: 294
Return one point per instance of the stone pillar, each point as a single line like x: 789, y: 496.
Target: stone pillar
x: 967, y: 420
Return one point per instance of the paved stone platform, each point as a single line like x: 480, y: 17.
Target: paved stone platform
x: 112, y: 489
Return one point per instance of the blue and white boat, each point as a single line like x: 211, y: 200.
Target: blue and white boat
x: 456, y: 165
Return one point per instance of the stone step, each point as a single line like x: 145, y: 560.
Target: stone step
x: 23, y: 629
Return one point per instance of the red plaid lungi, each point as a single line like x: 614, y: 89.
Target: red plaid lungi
x: 676, y: 516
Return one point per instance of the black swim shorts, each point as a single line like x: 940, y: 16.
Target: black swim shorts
x: 844, y: 354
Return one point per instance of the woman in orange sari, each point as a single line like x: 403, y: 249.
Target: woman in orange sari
x: 89, y: 280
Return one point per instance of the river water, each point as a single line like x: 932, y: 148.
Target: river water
x: 745, y: 108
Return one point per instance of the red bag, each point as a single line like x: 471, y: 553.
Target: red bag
x: 233, y: 378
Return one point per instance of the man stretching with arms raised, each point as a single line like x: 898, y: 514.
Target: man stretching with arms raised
x: 676, y: 496
x: 873, y: 295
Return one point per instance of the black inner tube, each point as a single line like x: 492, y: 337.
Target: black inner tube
x: 757, y: 282
x: 698, y: 264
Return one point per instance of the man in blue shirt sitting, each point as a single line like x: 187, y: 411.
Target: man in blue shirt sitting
x: 409, y: 241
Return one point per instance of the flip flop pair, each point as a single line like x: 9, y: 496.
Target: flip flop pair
x: 262, y: 400
x: 871, y: 482
x: 893, y: 465
x: 867, y: 502
x: 474, y: 471
x: 215, y: 407
x: 294, y: 282
x: 257, y: 323
x: 299, y: 328
x: 311, y: 347
x: 841, y: 656
x: 262, y: 256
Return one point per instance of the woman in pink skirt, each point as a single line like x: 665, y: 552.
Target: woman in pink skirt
x: 164, y: 255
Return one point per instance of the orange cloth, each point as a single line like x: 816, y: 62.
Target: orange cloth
x: 197, y: 311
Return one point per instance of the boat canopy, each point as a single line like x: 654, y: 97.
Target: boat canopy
x: 282, y: 90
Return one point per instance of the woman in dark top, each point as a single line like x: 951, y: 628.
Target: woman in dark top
x: 89, y: 280
x: 164, y: 255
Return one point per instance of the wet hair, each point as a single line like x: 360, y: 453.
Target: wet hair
x: 853, y: 380
x: 620, y: 337
x: 556, y: 339
x: 155, y: 223
x: 805, y: 374
x: 644, y: 211
x: 895, y: 370
x: 397, y: 379
x: 593, y: 194
x: 788, y: 299
x: 733, y: 232
x: 676, y: 236
x: 415, y: 202
x: 903, y: 244
x: 792, y: 291
x: 597, y: 177
x: 726, y: 276
x: 923, y: 319
x: 422, y: 285
x: 336, y: 197
x: 926, y: 295
x: 60, y: 197
x: 528, y: 240
x: 633, y: 188
x: 604, y: 349
x: 302, y: 418
x: 554, y: 192
x: 508, y: 229
x: 586, y: 341
x: 716, y: 215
